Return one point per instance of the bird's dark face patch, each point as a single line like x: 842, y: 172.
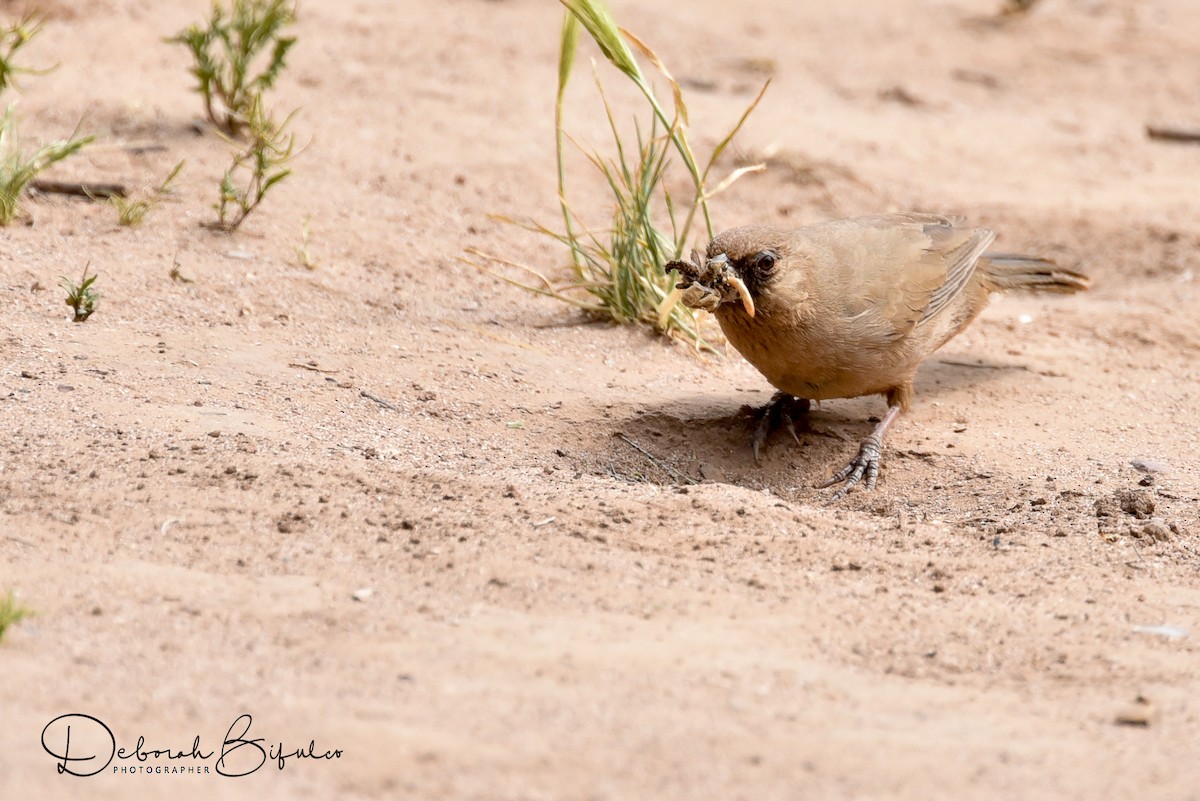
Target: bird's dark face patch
x: 758, y: 270
x: 756, y: 254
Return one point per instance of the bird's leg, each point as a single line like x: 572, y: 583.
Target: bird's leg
x: 866, y: 463
x: 779, y: 410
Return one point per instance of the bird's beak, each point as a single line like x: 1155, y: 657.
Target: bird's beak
x: 720, y: 263
x: 743, y: 292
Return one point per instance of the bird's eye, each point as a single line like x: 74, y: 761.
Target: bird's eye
x: 765, y: 261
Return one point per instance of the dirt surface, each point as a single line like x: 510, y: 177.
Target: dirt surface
x: 394, y: 506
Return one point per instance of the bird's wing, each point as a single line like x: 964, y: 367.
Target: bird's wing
x: 902, y: 269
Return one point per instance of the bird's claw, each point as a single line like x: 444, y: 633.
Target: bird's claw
x: 865, y: 464
x: 780, y: 410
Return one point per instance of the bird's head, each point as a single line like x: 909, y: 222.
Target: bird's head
x: 753, y: 255
x: 739, y: 266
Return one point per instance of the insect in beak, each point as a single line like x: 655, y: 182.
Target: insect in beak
x: 744, y: 293
x: 720, y: 263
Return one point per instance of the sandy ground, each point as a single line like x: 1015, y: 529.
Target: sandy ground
x: 383, y: 505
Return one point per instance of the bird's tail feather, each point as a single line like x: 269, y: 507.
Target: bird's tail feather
x: 1008, y: 271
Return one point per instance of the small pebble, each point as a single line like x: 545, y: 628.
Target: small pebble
x: 1140, y: 713
x: 1170, y: 632
x: 1156, y: 531
x: 1139, y: 503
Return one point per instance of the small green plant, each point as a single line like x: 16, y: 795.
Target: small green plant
x: 303, y: 254
x: 238, y: 39
x: 12, y: 39
x: 132, y: 211
x: 176, y: 272
x: 18, y: 169
x: 259, y: 166
x: 11, y: 613
x: 617, y: 273
x: 80, y: 296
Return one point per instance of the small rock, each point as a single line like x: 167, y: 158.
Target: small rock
x: 362, y: 594
x: 1107, y: 507
x: 1156, y: 531
x: 1170, y: 632
x: 1139, y: 503
x: 1140, y: 713
x: 710, y: 472
x: 1148, y: 466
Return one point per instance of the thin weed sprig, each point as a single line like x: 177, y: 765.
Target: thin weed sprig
x: 256, y: 169
x: 617, y: 272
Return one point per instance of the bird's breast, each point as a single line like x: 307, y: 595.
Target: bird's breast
x: 812, y: 357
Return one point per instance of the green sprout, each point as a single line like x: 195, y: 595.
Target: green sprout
x: 11, y: 613
x: 226, y: 52
x: 80, y: 296
x: 303, y: 254
x: 132, y: 211
x: 18, y: 169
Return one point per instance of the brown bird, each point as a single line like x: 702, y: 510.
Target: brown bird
x: 852, y: 307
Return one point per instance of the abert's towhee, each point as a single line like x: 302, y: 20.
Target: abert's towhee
x: 852, y: 307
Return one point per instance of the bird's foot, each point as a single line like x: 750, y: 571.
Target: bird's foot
x: 781, y: 410
x: 865, y: 464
